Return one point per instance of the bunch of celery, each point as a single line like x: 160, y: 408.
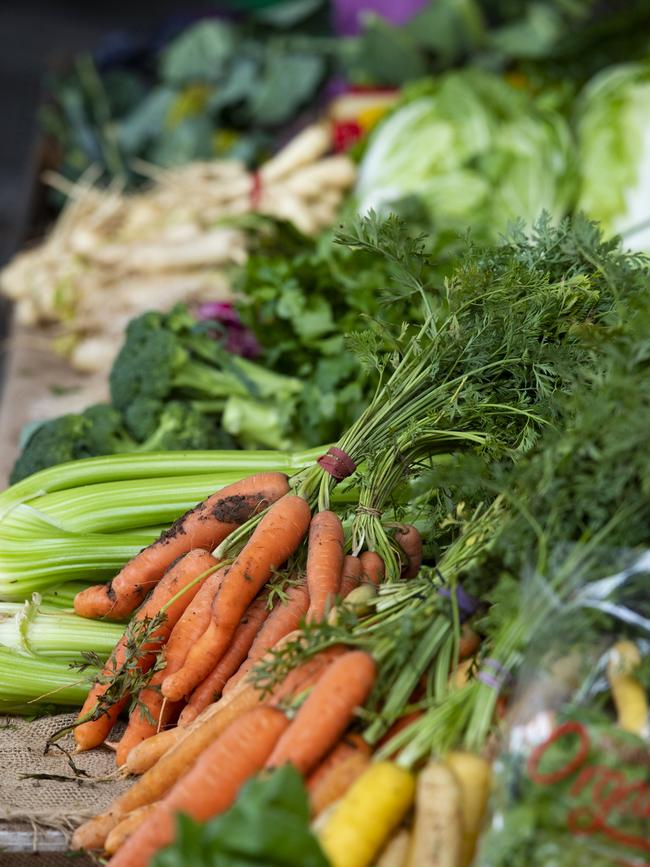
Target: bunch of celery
x: 84, y: 520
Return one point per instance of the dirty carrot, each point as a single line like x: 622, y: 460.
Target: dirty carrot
x: 284, y: 619
x: 211, y: 786
x: 213, y: 685
x: 151, y: 712
x: 408, y: 538
x: 324, y: 563
x: 182, y: 575
x: 336, y: 773
x: 204, y: 526
x: 326, y: 712
x: 193, y: 623
x: 275, y: 538
x: 372, y: 568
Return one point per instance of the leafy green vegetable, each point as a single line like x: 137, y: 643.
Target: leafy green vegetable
x: 267, y: 826
x: 200, y: 53
x: 614, y: 149
x: 300, y: 305
x: 477, y: 151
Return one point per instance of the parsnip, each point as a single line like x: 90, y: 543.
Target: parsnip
x: 474, y: 776
x: 396, y: 850
x: 310, y: 144
x: 437, y: 831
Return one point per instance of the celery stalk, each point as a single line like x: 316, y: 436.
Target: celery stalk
x: 29, y: 682
x: 31, y: 565
x: 37, y: 629
x: 61, y: 596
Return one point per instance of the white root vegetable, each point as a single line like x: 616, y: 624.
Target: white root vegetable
x: 308, y: 146
x: 474, y: 776
x: 437, y: 831
x: 314, y: 179
x: 396, y: 851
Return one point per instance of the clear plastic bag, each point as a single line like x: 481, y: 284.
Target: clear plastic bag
x: 572, y: 778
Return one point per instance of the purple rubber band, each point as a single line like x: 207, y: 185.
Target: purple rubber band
x: 496, y: 666
x: 497, y: 680
x: 490, y: 681
x: 467, y: 604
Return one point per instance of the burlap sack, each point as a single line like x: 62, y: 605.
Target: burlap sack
x: 33, y: 805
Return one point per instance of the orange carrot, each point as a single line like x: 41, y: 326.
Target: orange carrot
x: 213, y: 685
x: 408, y: 538
x: 275, y: 538
x: 145, y: 754
x: 326, y: 713
x: 92, y: 733
x: 211, y: 786
x: 194, y: 739
x: 151, y: 712
x: 194, y: 621
x: 350, y: 575
x: 284, y: 619
x: 204, y: 526
x: 336, y: 773
x: 372, y: 568
x: 324, y: 563
x: 126, y: 827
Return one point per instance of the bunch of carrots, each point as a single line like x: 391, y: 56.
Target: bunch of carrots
x: 203, y: 723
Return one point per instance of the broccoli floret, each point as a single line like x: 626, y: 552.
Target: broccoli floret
x: 142, y: 417
x: 183, y: 427
x: 96, y: 431
x: 147, y: 363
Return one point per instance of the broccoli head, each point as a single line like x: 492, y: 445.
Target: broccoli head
x: 147, y: 363
x: 141, y: 417
x: 96, y: 431
x: 182, y: 426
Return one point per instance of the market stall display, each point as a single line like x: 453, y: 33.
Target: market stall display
x: 350, y: 568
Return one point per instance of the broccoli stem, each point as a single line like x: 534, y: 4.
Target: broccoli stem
x: 198, y: 379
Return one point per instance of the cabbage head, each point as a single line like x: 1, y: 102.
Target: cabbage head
x: 477, y: 151
x: 613, y: 126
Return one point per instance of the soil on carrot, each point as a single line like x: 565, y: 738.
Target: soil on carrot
x: 237, y: 508
x: 176, y: 529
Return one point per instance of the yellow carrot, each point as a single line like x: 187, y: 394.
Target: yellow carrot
x: 629, y: 696
x: 367, y: 814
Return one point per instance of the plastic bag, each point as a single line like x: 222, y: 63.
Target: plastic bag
x: 572, y: 778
